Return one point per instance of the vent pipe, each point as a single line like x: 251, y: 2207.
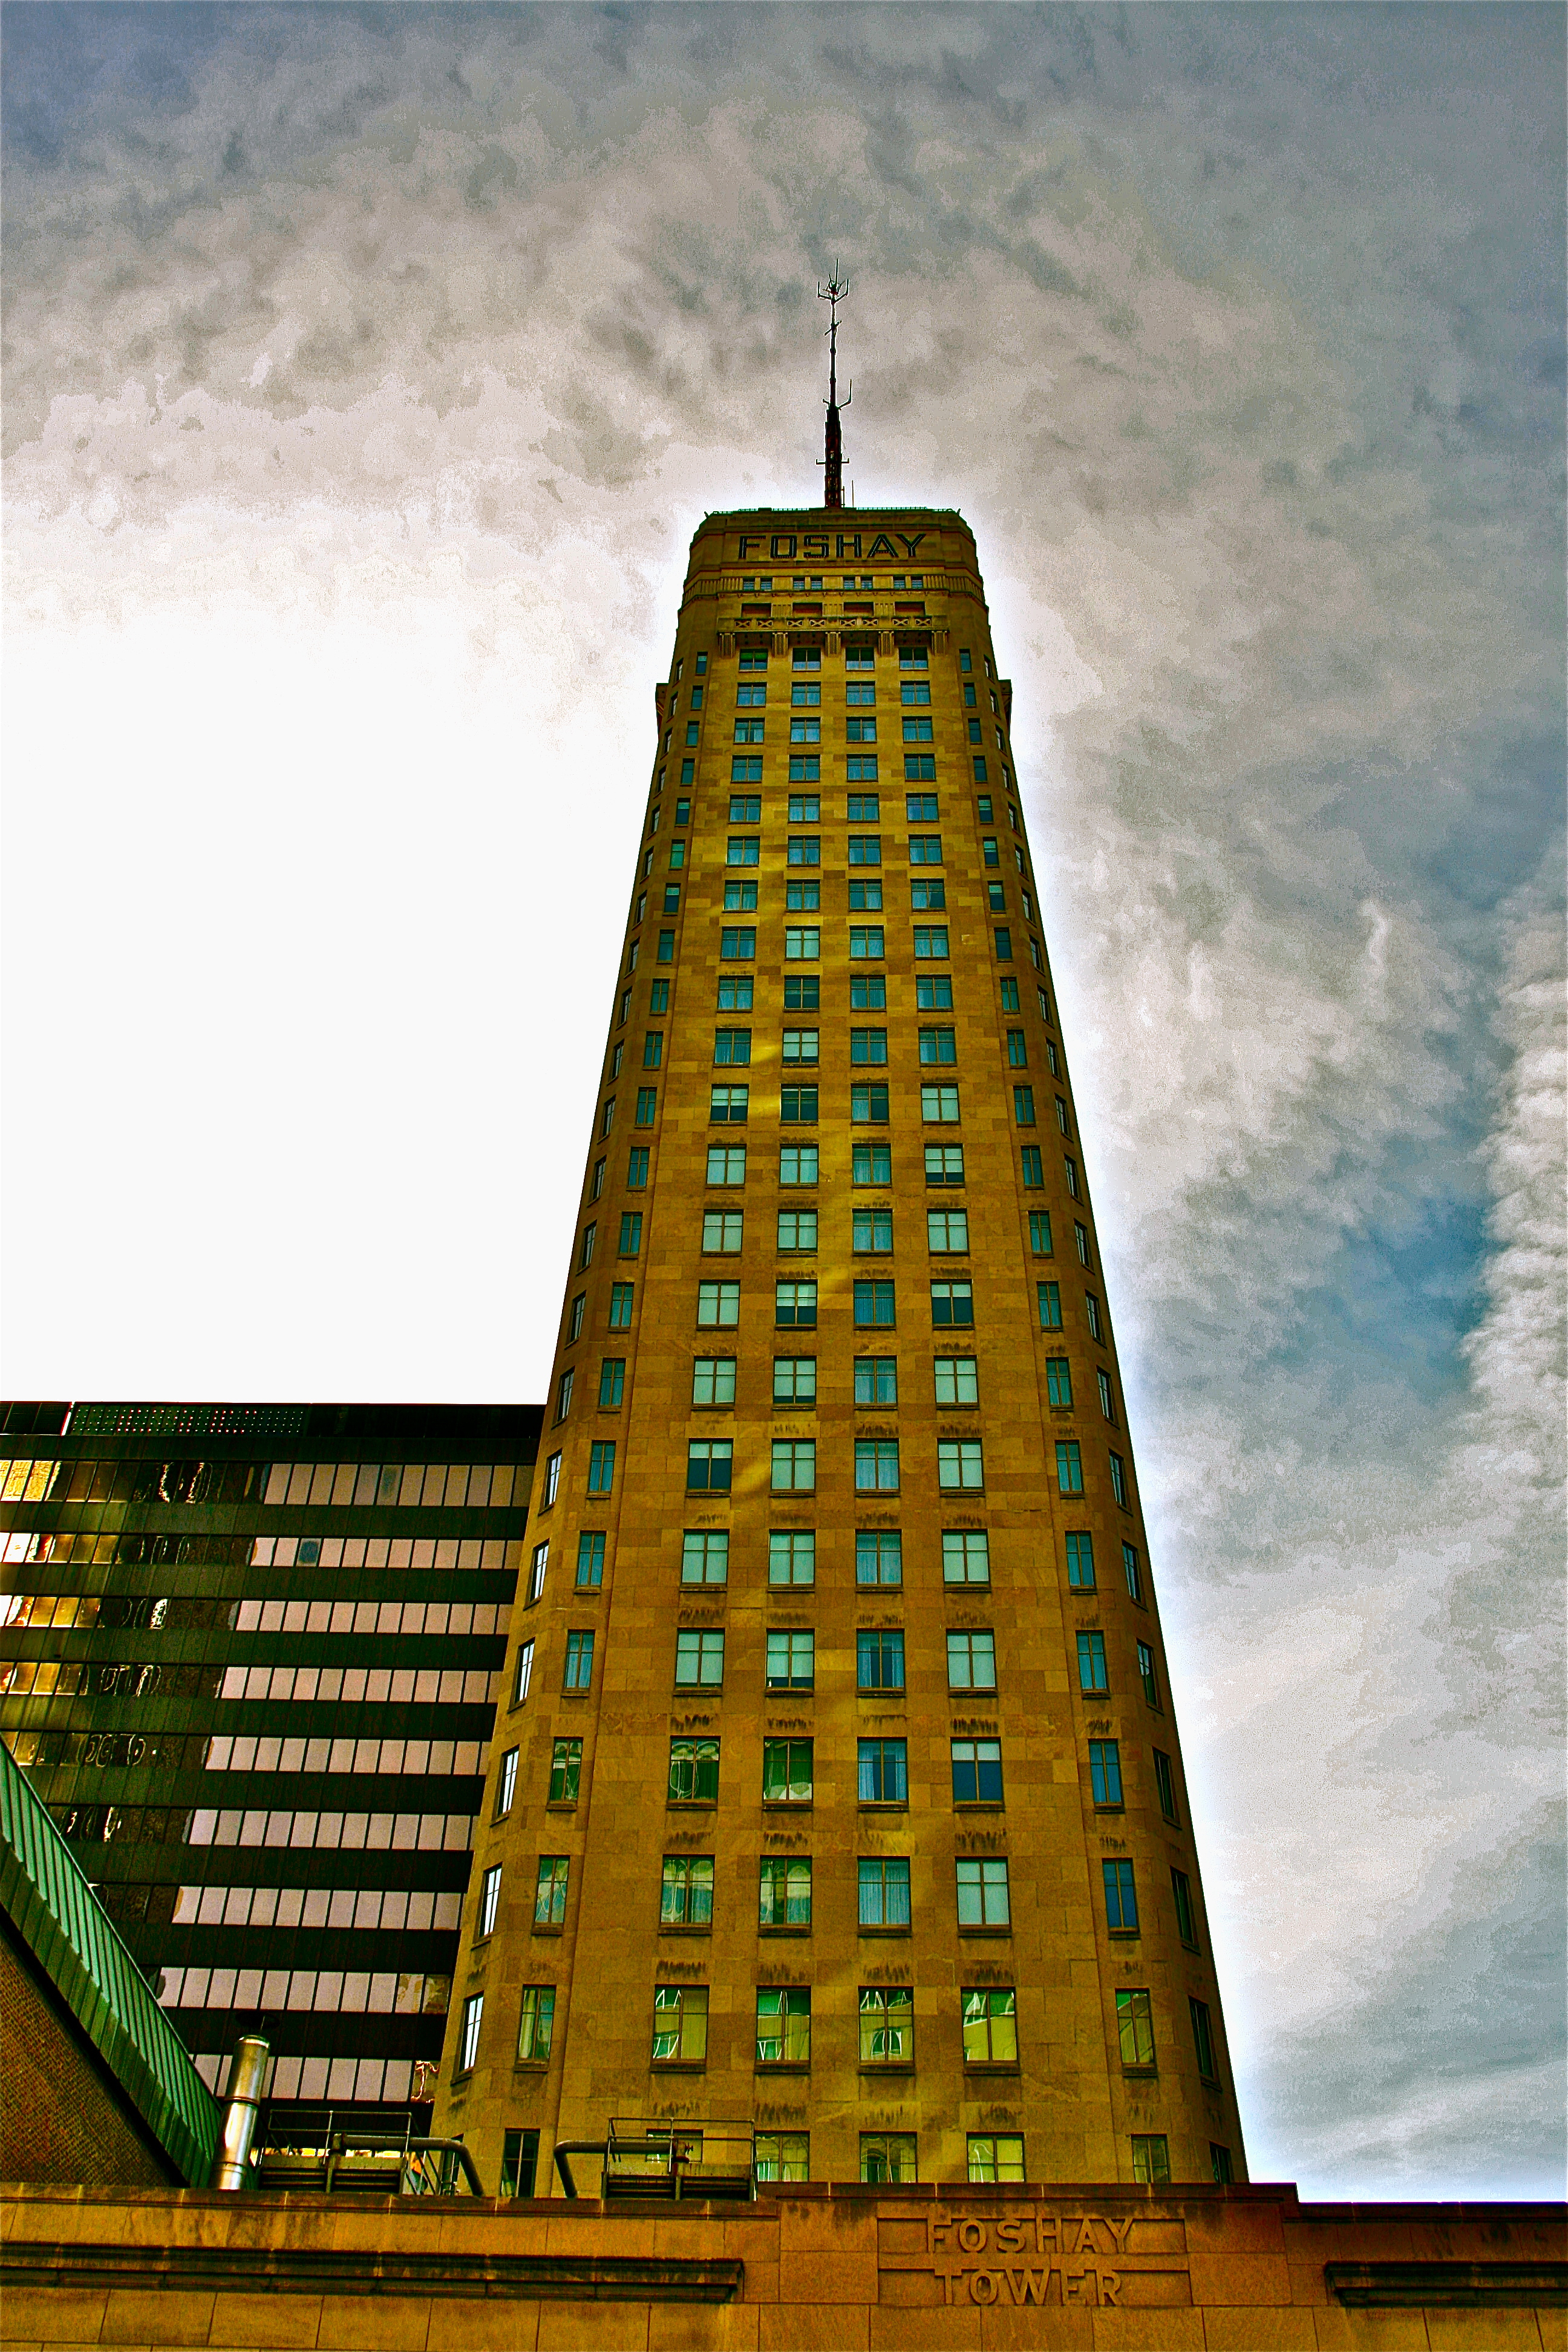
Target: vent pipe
x: 242, y: 2108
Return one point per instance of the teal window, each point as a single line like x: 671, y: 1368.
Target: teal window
x: 621, y: 1296
x: 797, y: 1106
x: 705, y: 1555
x: 1069, y: 1466
x: 869, y: 1105
x: 1091, y: 1675
x: 876, y: 1379
x: 877, y: 1466
x: 693, y: 1771
x: 871, y: 1163
x: 579, y: 1672
x: 612, y: 1381
x: 648, y: 1104
x: 1121, y: 1898
x: 1080, y: 1562
x: 965, y: 1556
x: 591, y: 1560
x: 884, y: 1890
x: 1058, y: 1382
x: 601, y: 1466
x: 1105, y: 1771
x: 1049, y: 1298
x: 1165, y: 1786
x: 882, y: 1775
x: 550, y: 1894
x: 631, y: 1232
x: 878, y: 1556
x: 865, y: 943
x: 873, y: 1304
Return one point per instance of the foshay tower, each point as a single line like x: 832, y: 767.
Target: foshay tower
x: 836, y: 1790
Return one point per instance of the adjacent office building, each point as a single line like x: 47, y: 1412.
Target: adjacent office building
x: 835, y: 1792
x: 249, y: 1659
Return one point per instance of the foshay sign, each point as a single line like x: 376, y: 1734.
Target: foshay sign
x: 1034, y: 2253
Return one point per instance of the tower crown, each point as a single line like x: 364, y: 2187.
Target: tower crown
x: 833, y: 293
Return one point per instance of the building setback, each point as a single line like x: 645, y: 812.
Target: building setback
x: 249, y: 1658
x: 837, y: 1788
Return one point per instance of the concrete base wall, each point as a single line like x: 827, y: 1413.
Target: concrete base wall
x: 1096, y: 2270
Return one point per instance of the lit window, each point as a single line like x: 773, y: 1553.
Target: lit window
x: 1135, y: 2026
x: 705, y: 1555
x: 1150, y: 2158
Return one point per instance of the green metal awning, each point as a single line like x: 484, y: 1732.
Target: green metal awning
x: 76, y: 1944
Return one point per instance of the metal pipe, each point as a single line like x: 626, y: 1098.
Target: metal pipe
x: 246, y: 2073
x: 565, y: 2148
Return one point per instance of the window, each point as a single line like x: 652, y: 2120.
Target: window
x: 1203, y: 2039
x: 1070, y: 1166
x: 693, y: 1771
x: 671, y: 907
x: 888, y: 2157
x: 686, y: 1891
x: 781, y: 2156
x: 795, y: 1380
x: 863, y: 808
x: 876, y: 1382
x: 944, y: 1163
x: 784, y: 2025
x: 872, y: 1229
x: 878, y: 1556
x: 1147, y: 1675
x: 563, y: 1395
x: 565, y: 1771
x: 1003, y: 937
x: 990, y: 2028
x: 585, y: 1248
x: 805, y: 808
x: 1058, y: 1381
x: 598, y: 1186
x: 865, y: 897
x: 1186, y: 1914
x: 865, y: 849
x: 887, y: 2025
x: 743, y: 848
x: 884, y: 1891
x: 740, y: 897
x: 865, y: 943
x: 868, y: 991
x: 728, y: 1106
x: 797, y: 1105
x: 1165, y: 1785
x: 920, y: 808
x: 804, y: 849
x: 972, y: 1662
x: 791, y: 1555
x: 801, y: 1046
x: 1024, y: 1106
x: 1070, y: 1462
x: 1150, y: 2158
x: 1219, y: 2164
x: 579, y: 1672
x: 506, y: 1788
x: 794, y: 1466
x: 939, y: 1105
x: 792, y: 1660
x: 983, y: 1899
x: 1130, y: 1570
x: 880, y: 1659
x: 648, y: 1100
x: 959, y: 1465
x: 722, y: 1230
x: 1121, y: 1898
x: 732, y: 1045
x: 524, y: 1673
x: 738, y: 944
x: 873, y: 1305
x: 802, y: 943
x: 1049, y: 1298
x: 489, y: 1900
x: 699, y: 1658
x: 783, y: 1891
x: 575, y: 1322
x: 718, y: 1303
x: 920, y: 767
x: 1135, y: 2027
x: 786, y: 1771
x: 804, y: 897
x: 794, y: 1306
x: 965, y: 1556
x: 636, y: 1169
x: 952, y: 1305
x: 630, y: 1243
x: 1105, y: 1771
x: 871, y: 1163
x: 797, y: 1163
x: 927, y: 895
x: 938, y: 1045
x: 705, y: 1555
x: 1092, y: 1675
x: 1091, y: 1309
x: 751, y: 698
x: 708, y: 1465
x: 1080, y: 1236
x: 995, y: 2155
x: 726, y: 1163
x: 805, y: 768
x: 1118, y: 1481
x: 868, y: 1045
x: 989, y: 854
x: 468, y: 2035
x: 591, y: 1560
x: 882, y: 1775
x: 536, y: 2026
x: 869, y: 1105
x: 549, y: 1891
x: 979, y: 763
x: 755, y: 657
x: 1080, y: 1562
x: 947, y: 1230
x: 713, y: 1380
x: 601, y: 1466
x: 653, y: 1049
x: 679, y: 2025
x: 976, y: 1771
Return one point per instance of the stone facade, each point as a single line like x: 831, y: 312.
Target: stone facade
x: 1085, y: 2269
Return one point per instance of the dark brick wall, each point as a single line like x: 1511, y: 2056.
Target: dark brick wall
x: 61, y: 2116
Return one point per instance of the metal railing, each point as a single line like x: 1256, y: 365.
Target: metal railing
x: 326, y: 2151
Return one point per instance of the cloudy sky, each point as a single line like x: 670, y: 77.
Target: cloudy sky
x: 368, y: 372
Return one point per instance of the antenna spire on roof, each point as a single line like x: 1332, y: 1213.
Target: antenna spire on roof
x: 833, y: 293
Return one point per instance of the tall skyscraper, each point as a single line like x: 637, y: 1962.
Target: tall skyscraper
x: 835, y: 1788
x: 249, y: 1659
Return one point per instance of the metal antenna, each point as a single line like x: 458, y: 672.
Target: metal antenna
x: 833, y: 293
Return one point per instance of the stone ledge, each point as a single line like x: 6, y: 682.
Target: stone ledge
x: 306, y: 2270
x: 1437, y: 2285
